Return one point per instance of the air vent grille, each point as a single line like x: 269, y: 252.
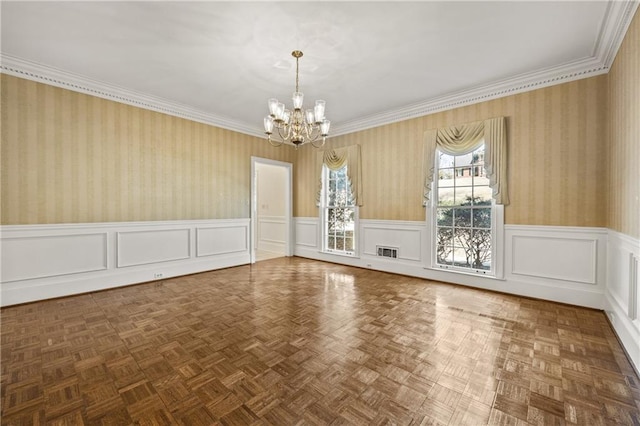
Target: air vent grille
x: 391, y: 252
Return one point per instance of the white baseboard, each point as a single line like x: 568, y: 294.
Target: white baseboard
x: 45, y: 261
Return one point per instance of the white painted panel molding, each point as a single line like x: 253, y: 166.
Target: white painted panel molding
x: 29, y: 257
x: 307, y: 232
x: 406, y: 236
x: 153, y: 246
x: 622, y: 300
x: 567, y: 259
x: 218, y: 240
x: 272, y: 229
x: 45, y: 261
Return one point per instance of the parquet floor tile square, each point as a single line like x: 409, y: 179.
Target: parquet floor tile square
x: 291, y: 341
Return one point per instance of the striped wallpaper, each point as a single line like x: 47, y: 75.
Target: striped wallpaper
x: 557, y: 158
x: 70, y: 157
x: 624, y: 89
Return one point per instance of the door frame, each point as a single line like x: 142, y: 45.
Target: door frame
x: 288, y: 217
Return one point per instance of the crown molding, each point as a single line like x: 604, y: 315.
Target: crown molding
x: 611, y: 34
x: 614, y: 26
x: 34, y: 71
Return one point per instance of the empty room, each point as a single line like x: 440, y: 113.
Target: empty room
x: 320, y: 213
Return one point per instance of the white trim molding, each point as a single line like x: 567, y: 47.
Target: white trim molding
x: 612, y: 30
x: 622, y: 298
x: 271, y: 234
x: 46, y: 261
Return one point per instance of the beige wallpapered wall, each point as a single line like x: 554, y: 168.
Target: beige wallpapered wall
x: 557, y: 158
x: 69, y: 157
x: 624, y: 84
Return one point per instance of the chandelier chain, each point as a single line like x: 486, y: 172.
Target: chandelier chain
x: 297, y: 60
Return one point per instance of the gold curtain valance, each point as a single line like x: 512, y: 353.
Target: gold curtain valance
x: 336, y: 159
x: 465, y: 138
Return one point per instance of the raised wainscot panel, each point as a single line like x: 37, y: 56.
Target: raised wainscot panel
x: 221, y: 240
x: 152, y: 246
x: 307, y: 232
x: 408, y: 240
x: 567, y: 259
x: 25, y: 258
x: 272, y: 229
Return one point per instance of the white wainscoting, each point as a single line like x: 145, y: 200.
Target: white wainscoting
x: 622, y: 301
x: 272, y: 233
x: 562, y: 264
x: 45, y: 261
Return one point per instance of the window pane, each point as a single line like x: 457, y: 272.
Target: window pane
x: 463, y: 176
x: 462, y: 217
x: 445, y: 160
x: 482, y: 195
x: 444, y: 255
x: 331, y: 244
x: 482, y: 218
x: 481, y: 240
x: 484, y: 260
x: 464, y: 160
x: 463, y: 196
x: 348, y: 244
x: 445, y: 196
x: 445, y: 236
x: 480, y: 179
x: 445, y: 217
x: 445, y: 178
x: 460, y: 257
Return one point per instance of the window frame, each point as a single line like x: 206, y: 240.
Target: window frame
x: 324, y: 209
x: 497, y: 233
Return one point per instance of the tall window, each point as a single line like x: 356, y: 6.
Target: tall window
x: 338, y: 212
x: 464, y: 213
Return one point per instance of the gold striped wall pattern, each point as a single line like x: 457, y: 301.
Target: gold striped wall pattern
x: 73, y: 158
x: 557, y: 158
x: 624, y: 89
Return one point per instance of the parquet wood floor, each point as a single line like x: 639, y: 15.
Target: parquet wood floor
x: 294, y: 341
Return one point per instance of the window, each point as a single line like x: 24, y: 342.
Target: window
x: 339, y: 212
x: 464, y: 214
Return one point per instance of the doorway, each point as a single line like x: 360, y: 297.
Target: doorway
x: 271, y: 209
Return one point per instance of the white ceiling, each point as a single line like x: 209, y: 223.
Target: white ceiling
x: 373, y: 62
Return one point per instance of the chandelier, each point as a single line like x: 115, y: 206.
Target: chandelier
x: 296, y: 126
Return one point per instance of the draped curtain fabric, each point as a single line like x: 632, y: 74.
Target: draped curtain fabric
x: 465, y: 138
x: 336, y: 159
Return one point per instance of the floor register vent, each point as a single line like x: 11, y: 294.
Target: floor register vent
x: 391, y: 252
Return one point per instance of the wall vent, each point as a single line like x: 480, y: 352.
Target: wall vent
x: 391, y: 252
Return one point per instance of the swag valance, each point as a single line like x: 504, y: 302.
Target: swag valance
x: 336, y: 159
x: 465, y: 138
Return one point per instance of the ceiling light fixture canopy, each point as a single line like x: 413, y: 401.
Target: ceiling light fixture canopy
x: 296, y: 126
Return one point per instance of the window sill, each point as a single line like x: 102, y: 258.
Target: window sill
x: 469, y: 274
x: 333, y: 253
